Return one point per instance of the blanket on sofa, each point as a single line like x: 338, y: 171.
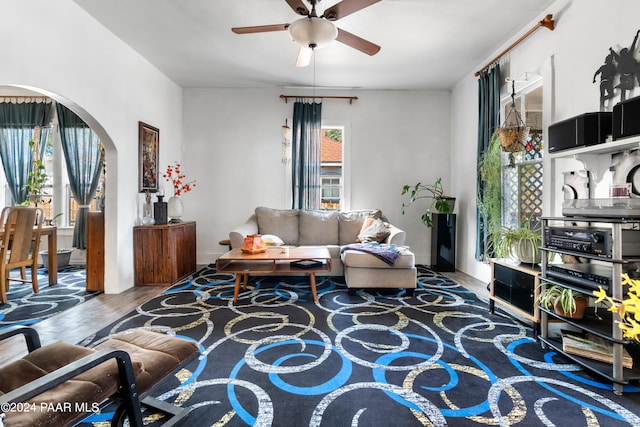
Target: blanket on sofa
x: 389, y: 253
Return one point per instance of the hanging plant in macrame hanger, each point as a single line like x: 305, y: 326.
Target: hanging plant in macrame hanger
x: 513, y: 134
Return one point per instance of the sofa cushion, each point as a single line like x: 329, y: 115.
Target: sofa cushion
x: 377, y: 231
x: 318, y: 227
x: 357, y: 259
x: 280, y: 222
x: 351, y: 224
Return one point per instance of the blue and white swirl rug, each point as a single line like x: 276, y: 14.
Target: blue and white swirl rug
x: 25, y: 307
x: 378, y: 358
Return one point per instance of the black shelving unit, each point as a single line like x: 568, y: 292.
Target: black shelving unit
x: 599, y: 323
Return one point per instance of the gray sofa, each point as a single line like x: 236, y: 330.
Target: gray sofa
x: 334, y: 230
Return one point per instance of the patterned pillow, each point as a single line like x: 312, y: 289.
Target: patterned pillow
x: 376, y: 232
x: 351, y: 224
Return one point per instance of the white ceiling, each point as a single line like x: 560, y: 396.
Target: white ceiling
x: 426, y: 44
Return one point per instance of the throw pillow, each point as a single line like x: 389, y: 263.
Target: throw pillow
x: 376, y: 232
x: 351, y: 223
x: 368, y: 222
x: 272, y: 240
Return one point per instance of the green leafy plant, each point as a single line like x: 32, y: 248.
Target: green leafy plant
x: 627, y: 309
x: 434, y: 192
x: 521, y: 243
x: 37, y: 179
x: 561, y: 297
x: 490, y: 191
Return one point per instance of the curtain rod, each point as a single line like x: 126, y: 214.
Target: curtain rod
x: 350, y: 98
x: 547, y: 22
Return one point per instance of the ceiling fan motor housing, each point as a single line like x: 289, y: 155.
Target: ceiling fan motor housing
x: 313, y: 32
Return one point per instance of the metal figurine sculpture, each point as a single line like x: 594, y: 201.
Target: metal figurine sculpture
x: 627, y: 68
x: 607, y: 75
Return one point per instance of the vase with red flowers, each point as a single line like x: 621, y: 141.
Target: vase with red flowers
x: 178, y: 180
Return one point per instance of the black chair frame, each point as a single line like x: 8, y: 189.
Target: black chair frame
x: 127, y: 397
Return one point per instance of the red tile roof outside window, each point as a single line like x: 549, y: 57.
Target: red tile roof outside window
x: 330, y: 150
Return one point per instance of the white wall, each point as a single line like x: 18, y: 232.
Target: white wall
x: 57, y: 49
x: 232, y: 143
x: 567, y: 58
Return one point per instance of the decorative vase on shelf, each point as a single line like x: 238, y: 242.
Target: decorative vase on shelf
x: 175, y: 209
x: 147, y: 219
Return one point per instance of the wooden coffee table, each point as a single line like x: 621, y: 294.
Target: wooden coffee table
x: 273, y: 261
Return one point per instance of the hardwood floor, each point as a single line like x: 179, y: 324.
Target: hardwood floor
x: 77, y: 323
x: 87, y: 318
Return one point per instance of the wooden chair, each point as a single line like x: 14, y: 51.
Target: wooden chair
x: 19, y: 243
x: 58, y: 384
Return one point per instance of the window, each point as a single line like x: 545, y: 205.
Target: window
x: 57, y: 199
x: 331, y: 168
x: 522, y: 171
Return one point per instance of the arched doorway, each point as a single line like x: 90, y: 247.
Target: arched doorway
x: 110, y: 159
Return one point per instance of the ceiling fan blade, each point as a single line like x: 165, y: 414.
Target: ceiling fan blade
x: 346, y: 7
x: 357, y: 42
x: 304, y: 56
x: 260, y: 29
x: 298, y: 7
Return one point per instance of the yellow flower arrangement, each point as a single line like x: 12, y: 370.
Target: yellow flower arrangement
x: 628, y: 309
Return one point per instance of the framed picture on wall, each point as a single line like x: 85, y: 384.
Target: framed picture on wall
x: 149, y: 142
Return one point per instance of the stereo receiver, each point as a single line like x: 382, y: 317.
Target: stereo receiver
x: 591, y: 240
x: 587, y: 275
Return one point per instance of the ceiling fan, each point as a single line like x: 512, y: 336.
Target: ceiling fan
x: 313, y: 32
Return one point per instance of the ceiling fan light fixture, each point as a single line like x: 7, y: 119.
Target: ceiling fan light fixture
x: 313, y: 32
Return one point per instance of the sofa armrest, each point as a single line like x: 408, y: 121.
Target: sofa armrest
x: 237, y: 235
x: 397, y: 236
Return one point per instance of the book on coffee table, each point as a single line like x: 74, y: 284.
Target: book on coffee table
x: 306, y: 263
x: 592, y: 347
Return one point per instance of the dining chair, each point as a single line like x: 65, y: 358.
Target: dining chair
x: 19, y: 242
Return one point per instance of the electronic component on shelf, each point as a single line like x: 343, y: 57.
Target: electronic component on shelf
x: 591, y: 240
x: 582, y: 274
x: 625, y: 118
x: 586, y: 129
x: 603, y: 208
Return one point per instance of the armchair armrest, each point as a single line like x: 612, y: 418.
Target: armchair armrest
x: 30, y: 335
x: 397, y: 236
x: 237, y: 235
x: 128, y: 391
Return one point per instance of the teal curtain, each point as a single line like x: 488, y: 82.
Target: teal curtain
x: 305, y: 146
x: 18, y: 121
x: 488, y: 122
x: 81, y: 147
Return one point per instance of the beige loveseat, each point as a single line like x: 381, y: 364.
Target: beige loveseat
x: 335, y: 230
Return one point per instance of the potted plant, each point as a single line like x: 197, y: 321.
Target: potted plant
x: 565, y: 301
x: 521, y: 243
x: 37, y: 179
x: 439, y: 201
x: 63, y: 258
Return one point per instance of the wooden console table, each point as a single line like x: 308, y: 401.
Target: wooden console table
x: 95, y: 251
x: 163, y: 254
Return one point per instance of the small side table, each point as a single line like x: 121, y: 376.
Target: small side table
x: 225, y: 242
